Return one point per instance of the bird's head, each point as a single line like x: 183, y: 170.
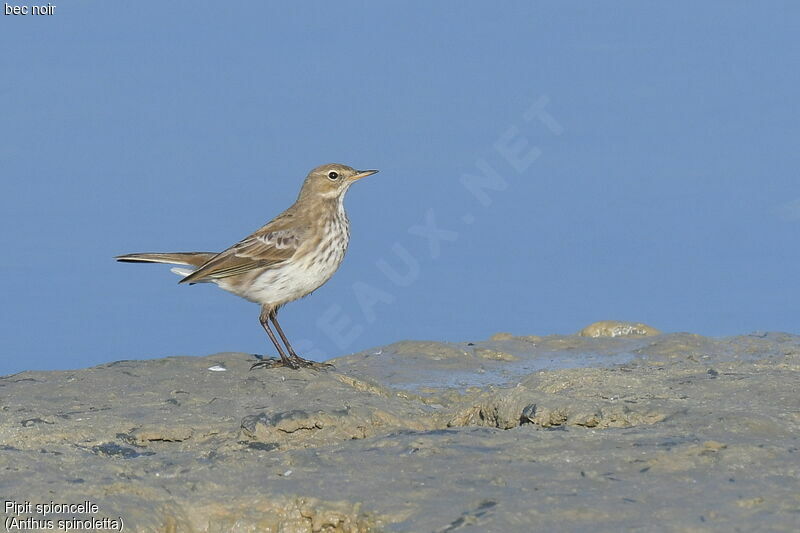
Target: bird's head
x: 332, y: 180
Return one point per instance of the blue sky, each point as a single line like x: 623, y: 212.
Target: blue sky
x: 645, y: 160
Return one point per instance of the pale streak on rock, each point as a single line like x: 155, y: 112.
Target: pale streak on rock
x: 615, y: 328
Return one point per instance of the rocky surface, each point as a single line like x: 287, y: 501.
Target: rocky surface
x: 629, y: 431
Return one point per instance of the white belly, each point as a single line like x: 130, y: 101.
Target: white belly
x: 298, y: 277
x: 291, y: 282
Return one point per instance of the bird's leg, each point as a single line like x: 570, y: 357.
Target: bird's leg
x: 285, y: 361
x: 292, y: 353
x: 274, y: 317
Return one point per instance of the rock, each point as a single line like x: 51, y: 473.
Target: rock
x: 615, y: 328
x: 502, y: 336
x: 567, y: 432
x: 496, y: 355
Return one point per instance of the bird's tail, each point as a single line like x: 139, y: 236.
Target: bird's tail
x: 194, y: 259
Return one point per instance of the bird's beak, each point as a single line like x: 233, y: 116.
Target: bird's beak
x: 364, y: 174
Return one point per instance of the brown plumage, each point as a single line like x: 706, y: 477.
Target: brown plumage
x: 176, y: 258
x: 286, y: 259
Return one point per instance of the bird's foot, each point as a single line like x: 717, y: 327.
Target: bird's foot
x: 295, y: 362
x: 306, y: 363
x: 270, y: 362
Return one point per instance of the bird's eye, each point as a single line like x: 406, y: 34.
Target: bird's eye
x: 333, y: 175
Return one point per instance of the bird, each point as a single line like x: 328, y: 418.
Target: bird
x: 284, y: 260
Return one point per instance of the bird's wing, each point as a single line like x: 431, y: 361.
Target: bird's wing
x: 269, y: 246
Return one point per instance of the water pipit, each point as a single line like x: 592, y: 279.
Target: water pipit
x: 286, y: 259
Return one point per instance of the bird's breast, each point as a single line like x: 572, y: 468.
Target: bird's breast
x: 313, y: 264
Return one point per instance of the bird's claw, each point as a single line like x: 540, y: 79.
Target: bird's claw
x: 309, y: 364
x: 293, y: 362
x: 274, y: 363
